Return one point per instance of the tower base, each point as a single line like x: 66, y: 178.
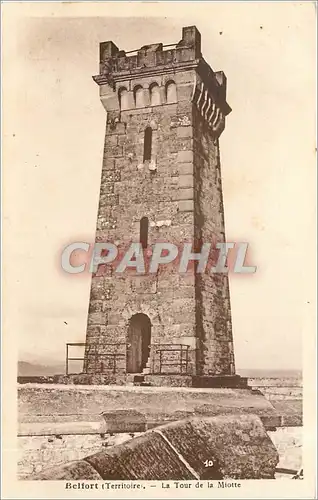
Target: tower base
x: 164, y: 380
x: 213, y: 381
x: 205, y: 381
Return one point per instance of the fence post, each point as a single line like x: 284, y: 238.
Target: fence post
x: 66, y: 361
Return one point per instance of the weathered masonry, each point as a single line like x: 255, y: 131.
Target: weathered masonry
x: 161, y: 181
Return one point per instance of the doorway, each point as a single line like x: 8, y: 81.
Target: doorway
x: 138, y: 343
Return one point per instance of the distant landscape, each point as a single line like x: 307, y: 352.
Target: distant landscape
x: 26, y: 368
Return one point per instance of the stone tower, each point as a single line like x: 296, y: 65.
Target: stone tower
x: 161, y: 181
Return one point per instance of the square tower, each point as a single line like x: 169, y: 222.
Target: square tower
x: 161, y: 181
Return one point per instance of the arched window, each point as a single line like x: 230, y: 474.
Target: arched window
x: 147, y: 143
x: 155, y: 98
x: 144, y: 224
x: 123, y: 98
x: 139, y: 97
x: 171, y: 92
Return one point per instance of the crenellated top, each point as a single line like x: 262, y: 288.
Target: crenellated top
x: 118, y: 68
x: 113, y: 60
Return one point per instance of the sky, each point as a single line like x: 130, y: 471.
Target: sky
x: 54, y: 132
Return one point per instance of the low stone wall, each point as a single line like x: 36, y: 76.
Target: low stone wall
x: 286, y: 396
x: 37, y: 453
x: 278, y: 388
x: 235, y: 447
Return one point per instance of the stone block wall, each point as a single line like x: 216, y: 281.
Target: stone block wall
x: 36, y: 453
x: 213, y: 314
x: 130, y: 191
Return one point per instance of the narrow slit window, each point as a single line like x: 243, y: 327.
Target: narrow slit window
x: 147, y: 144
x: 144, y: 232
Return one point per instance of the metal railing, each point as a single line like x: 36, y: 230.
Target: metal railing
x: 106, y: 357
x: 179, y: 360
x: 97, y: 358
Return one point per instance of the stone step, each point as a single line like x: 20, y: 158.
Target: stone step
x: 139, y: 379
